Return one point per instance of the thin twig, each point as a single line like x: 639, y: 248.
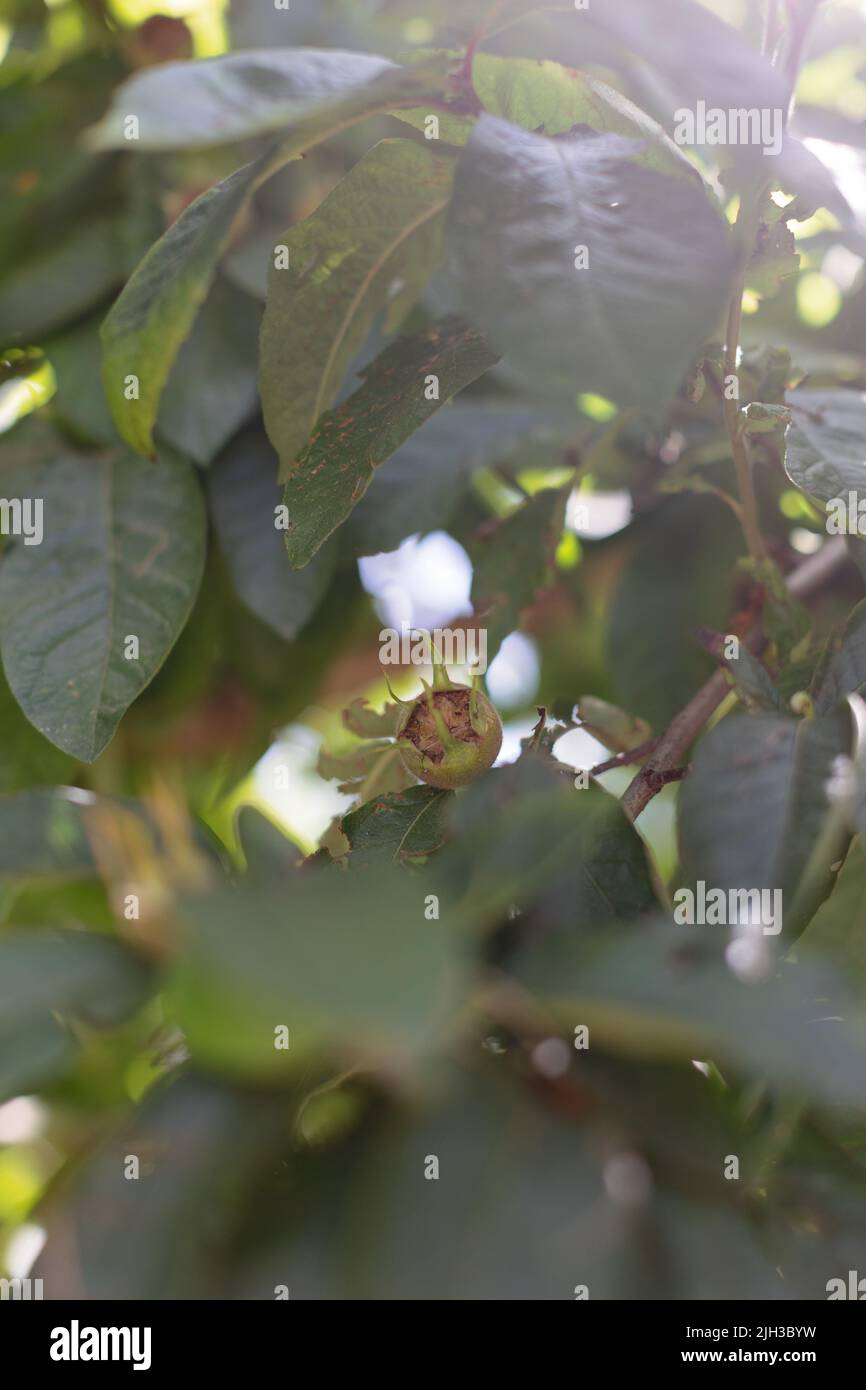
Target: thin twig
x: 626, y: 758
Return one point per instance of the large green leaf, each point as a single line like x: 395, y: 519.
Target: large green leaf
x: 525, y: 837
x: 660, y: 260
x: 346, y: 963
x: 26, y: 758
x: 753, y: 812
x: 45, y: 172
x: 371, y: 244
x: 60, y: 282
x: 665, y: 992
x: 478, y: 1242
x: 202, y: 1148
x: 825, y: 454
x: 49, y: 979
x: 515, y: 1207
x: 155, y: 311
x: 157, y: 308
x: 420, y: 486
x: 513, y: 563
x: 656, y: 660
x: 192, y: 105
x: 405, y: 385
x: 213, y: 389
x: 396, y: 827
x: 244, y: 497
x: 122, y: 556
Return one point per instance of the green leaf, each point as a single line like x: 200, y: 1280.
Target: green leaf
x: 337, y: 466
x: 213, y: 389
x: 240, y: 95
x: 244, y: 497
x: 58, y: 283
x: 691, y: 53
x: 397, y: 982
x: 697, y: 55
x: 525, y: 837
x: 26, y: 758
x: 466, y: 1236
x: 267, y: 850
x: 836, y: 931
x: 754, y: 810
x: 756, y: 418
x: 122, y: 556
x: 156, y: 310
x: 397, y: 827
x: 659, y: 991
x: 202, y: 1147
x: 655, y: 659
x: 370, y: 769
x: 775, y: 258
x: 842, y: 668
x: 627, y: 324
x: 371, y: 244
x: 552, y: 100
x: 359, y: 718
x: 752, y: 681
x: 211, y: 392
x: 420, y: 487
x: 825, y: 444
x: 49, y: 979
x: 79, y: 406
x: 516, y: 1211
x: 513, y: 563
x: 44, y: 834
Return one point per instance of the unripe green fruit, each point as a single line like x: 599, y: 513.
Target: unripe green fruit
x: 450, y: 735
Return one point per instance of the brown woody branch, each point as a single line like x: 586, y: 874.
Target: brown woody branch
x: 681, y: 733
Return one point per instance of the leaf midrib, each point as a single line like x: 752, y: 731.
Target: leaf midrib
x: 428, y: 806
x: 363, y: 289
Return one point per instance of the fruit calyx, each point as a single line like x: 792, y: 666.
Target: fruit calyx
x: 450, y: 734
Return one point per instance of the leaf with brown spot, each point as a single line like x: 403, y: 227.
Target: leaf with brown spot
x: 337, y: 466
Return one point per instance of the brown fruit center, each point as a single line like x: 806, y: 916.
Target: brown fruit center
x: 453, y: 705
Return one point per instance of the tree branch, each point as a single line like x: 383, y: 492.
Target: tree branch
x: 806, y: 580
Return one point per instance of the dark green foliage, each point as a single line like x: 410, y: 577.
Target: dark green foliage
x: 380, y: 272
